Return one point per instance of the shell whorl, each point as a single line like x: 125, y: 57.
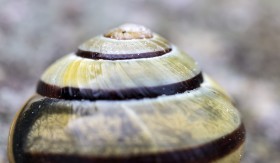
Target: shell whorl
x: 125, y: 42
x: 129, y: 62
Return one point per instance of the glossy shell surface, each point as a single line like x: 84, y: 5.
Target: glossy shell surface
x: 127, y: 96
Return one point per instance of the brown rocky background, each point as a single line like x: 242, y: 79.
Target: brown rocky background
x: 237, y: 42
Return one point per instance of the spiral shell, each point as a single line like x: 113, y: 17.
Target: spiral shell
x: 127, y: 96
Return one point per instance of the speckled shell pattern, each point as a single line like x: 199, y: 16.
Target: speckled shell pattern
x: 127, y: 96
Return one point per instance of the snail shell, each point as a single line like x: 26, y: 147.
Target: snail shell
x: 127, y: 96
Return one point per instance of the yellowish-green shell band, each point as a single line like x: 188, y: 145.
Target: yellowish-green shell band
x: 75, y: 71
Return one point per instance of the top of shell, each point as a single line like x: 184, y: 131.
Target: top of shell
x: 128, y: 62
x: 126, y: 39
x: 129, y: 32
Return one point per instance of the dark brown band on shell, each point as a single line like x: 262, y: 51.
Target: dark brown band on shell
x: 96, y: 55
x: 53, y: 91
x: 208, y: 152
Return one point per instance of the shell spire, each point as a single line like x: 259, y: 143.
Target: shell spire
x: 128, y: 62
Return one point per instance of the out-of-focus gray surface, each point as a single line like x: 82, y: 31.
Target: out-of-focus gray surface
x: 237, y: 42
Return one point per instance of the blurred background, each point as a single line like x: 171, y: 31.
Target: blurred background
x: 237, y: 42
